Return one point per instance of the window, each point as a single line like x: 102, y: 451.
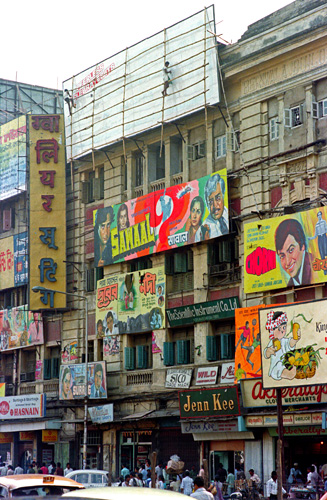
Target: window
x: 28, y: 366
x: 139, y: 162
x: 196, y: 151
x: 8, y: 219
x: 93, y: 274
x: 220, y: 347
x: 176, y: 155
x: 138, y: 356
x: 223, y: 251
x: 51, y: 363
x: 221, y: 146
x: 180, y: 351
x: 140, y: 264
x: 179, y: 262
x: 156, y: 162
x: 293, y: 117
x: 93, y: 187
x: 273, y: 129
x: 319, y: 109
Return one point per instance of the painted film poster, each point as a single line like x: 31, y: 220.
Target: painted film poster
x: 20, y: 328
x: 72, y: 381
x: 162, y: 220
x: 13, y: 260
x: 294, y: 344
x: 286, y: 251
x: 12, y: 157
x: 131, y: 303
x: 247, y: 342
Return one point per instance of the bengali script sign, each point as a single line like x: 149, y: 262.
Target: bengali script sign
x: 294, y: 344
x: 20, y: 328
x: 162, y: 220
x: 72, y: 381
x: 203, y: 311
x: 131, y: 303
x: 13, y: 157
x: 286, y: 251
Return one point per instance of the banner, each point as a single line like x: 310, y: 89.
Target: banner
x: 47, y: 215
x: 286, y: 251
x: 293, y: 344
x: 177, y: 216
x: 13, y: 157
x: 131, y: 303
x: 72, y: 381
x: 17, y: 407
x: 203, y: 311
x: 21, y: 258
x: 20, y: 328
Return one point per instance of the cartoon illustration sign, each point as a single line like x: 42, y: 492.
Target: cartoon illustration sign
x: 286, y: 251
x: 177, y: 216
x: 72, y: 381
x: 131, y: 303
x: 69, y: 352
x: 294, y: 344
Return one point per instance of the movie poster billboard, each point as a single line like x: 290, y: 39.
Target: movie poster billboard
x: 72, y: 381
x: 13, y: 260
x: 286, y: 251
x: 69, y: 352
x: 20, y: 328
x: 294, y: 344
x: 12, y: 157
x: 21, y: 258
x: 131, y: 303
x: 162, y: 220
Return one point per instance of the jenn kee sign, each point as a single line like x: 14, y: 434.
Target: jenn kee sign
x: 220, y: 402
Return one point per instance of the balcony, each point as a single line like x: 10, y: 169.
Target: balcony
x: 27, y: 389
x: 138, y: 191
x: 138, y: 378
x: 51, y: 388
x: 157, y: 185
x: 221, y: 274
x: 177, y: 179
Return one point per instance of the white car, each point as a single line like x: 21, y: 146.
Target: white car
x: 112, y: 493
x: 89, y: 478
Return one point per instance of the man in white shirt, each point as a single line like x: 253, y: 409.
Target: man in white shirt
x: 272, y: 486
x: 199, y: 490
x: 187, y: 484
x: 18, y: 470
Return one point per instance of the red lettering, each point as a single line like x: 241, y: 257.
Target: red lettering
x: 260, y: 261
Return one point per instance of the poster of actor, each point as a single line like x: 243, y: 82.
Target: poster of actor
x: 97, y: 380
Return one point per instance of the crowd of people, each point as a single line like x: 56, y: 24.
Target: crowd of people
x: 35, y: 468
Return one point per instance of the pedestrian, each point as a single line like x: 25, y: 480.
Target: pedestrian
x: 272, y: 486
x: 147, y: 464
x: 222, y: 473
x: 30, y: 469
x: 10, y: 470
x: 295, y: 475
x: 52, y: 467
x: 230, y: 480
x: 199, y: 490
x: 144, y: 473
x: 140, y: 479
x: 59, y: 470
x: 187, y: 483
x: 44, y: 469
x: 124, y: 472
x: 126, y: 480
x: 133, y: 480
x: 158, y: 469
x: 18, y: 470
x: 148, y: 479
x: 312, y: 480
x: 193, y: 472
x: 160, y: 483
x: 216, y: 488
x: 323, y: 471
x: 68, y: 469
x: 201, y: 471
x: 165, y: 474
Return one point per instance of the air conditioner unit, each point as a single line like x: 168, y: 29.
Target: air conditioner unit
x: 23, y: 377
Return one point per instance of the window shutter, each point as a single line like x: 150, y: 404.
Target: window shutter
x: 287, y: 118
x: 129, y: 353
x: 96, y: 186
x: 212, y: 348
x: 142, y: 356
x: 85, y: 192
x: 55, y: 367
x: 190, y: 260
x: 47, y: 369
x: 202, y: 149
x: 183, y: 352
x: 224, y: 344
x: 190, y: 150
x: 168, y: 354
x: 315, y: 110
x: 324, y: 107
x: 90, y: 279
x: 231, y: 346
x: 8, y: 219
x: 230, y: 141
x: 98, y: 274
x: 169, y: 264
x: 301, y: 108
x: 180, y: 262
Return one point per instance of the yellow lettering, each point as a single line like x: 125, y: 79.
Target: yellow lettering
x: 144, y: 238
x: 114, y: 242
x: 231, y: 404
x: 187, y: 406
x: 216, y: 402
x: 122, y: 247
x: 193, y: 406
x: 200, y: 407
x: 224, y: 404
x: 129, y: 238
x: 150, y: 234
x: 136, y: 236
x: 206, y: 405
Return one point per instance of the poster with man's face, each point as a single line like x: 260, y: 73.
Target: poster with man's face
x: 72, y: 381
x: 286, y: 251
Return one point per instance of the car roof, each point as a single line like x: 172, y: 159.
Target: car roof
x: 118, y: 493
x: 87, y: 471
x: 34, y: 480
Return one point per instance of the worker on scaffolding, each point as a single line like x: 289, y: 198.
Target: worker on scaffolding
x: 166, y: 77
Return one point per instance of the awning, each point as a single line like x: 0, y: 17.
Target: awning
x: 222, y: 436
x: 30, y: 426
x: 150, y: 414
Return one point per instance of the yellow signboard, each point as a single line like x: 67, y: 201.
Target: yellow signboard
x: 6, y: 437
x: 2, y: 390
x: 47, y: 211
x: 286, y: 251
x: 7, y: 263
x: 26, y: 436
x: 49, y: 436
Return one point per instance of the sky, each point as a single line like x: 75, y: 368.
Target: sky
x: 46, y: 43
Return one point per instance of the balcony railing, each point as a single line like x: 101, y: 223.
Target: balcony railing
x: 27, y: 389
x: 177, y: 178
x: 139, y: 378
x: 138, y: 191
x: 157, y: 185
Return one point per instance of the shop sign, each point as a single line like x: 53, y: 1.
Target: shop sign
x: 254, y: 395
x: 19, y: 407
x: 202, y: 427
x: 310, y: 430
x: 26, y: 436
x: 178, y: 378
x: 207, y: 376
x: 102, y: 414
x: 227, y: 373
x: 219, y: 402
x: 270, y: 420
x: 254, y: 421
x: 203, y: 311
x: 49, y: 436
x: 6, y: 437
x: 2, y: 390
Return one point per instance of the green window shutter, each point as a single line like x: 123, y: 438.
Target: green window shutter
x: 54, y: 367
x: 129, y: 358
x: 169, y: 264
x: 225, y: 346
x: 142, y: 356
x: 231, y: 346
x: 168, y: 354
x: 98, y: 274
x: 47, y: 369
x: 190, y: 266
x: 183, y: 352
x: 180, y: 262
x: 212, y: 348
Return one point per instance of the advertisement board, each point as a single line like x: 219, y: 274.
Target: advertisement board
x: 162, y: 220
x: 13, y: 260
x: 218, y: 402
x: 286, y: 251
x: 47, y: 215
x: 294, y: 344
x: 131, y: 303
x: 72, y: 381
x: 20, y: 328
x: 13, y: 157
x: 16, y: 407
x: 206, y: 376
x: 102, y: 414
x: 124, y: 94
x: 178, y: 378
